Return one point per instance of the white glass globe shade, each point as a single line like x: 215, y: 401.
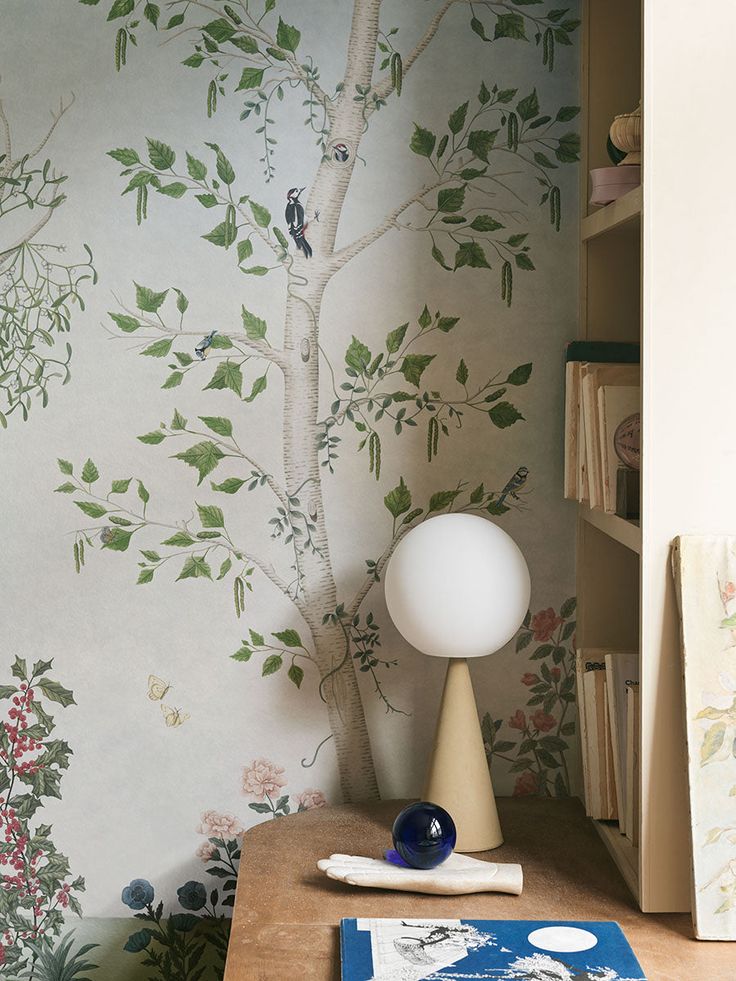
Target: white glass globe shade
x: 457, y: 586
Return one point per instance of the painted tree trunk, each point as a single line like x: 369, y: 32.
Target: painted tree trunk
x: 301, y: 414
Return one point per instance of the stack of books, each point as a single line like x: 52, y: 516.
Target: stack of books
x: 602, y: 388
x: 608, y: 705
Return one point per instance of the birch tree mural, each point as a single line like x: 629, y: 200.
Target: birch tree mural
x: 38, y: 288
x: 471, y: 214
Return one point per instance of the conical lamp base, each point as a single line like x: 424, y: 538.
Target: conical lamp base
x: 459, y: 779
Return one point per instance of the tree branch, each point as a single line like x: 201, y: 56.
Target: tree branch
x: 357, y: 601
x: 56, y: 117
x: 6, y: 138
x: 24, y: 239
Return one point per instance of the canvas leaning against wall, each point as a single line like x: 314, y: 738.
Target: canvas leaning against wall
x: 277, y: 283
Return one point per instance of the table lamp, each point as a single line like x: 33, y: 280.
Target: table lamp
x: 457, y: 586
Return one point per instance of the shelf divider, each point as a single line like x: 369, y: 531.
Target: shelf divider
x: 625, y: 209
x: 624, y: 854
x: 625, y: 532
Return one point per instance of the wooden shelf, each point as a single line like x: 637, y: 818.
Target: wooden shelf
x: 625, y: 532
x: 615, y: 214
x: 624, y: 854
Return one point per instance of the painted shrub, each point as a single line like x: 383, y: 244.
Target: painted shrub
x: 367, y: 343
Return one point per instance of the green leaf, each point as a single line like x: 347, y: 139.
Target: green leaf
x: 438, y: 257
x: 204, y: 457
x: 90, y: 473
x: 520, y: 376
x: 528, y: 107
x: 542, y: 160
x: 218, y: 424
x: 288, y: 637
x: 208, y: 200
x: 197, y: 170
x: 144, y: 576
x: 230, y: 486
x: 255, y: 328
x: 451, y: 199
x: 125, y: 323
x: 121, y: 8
x: 504, y: 414
x: 225, y: 568
x: 211, y: 516
x: 125, y: 155
x: 568, y: 608
x: 413, y: 366
x: 441, y: 500
x: 222, y: 235
x: 296, y: 674
x: 19, y: 668
x: 152, y: 438
x: 398, y: 500
x: 91, y: 509
x: 256, y: 271
x: 461, y: 375
x: 357, y: 356
x: 506, y: 95
x: 258, y: 386
x: 7, y: 690
x: 193, y: 61
x: 566, y: 113
x: 395, y: 338
x: 159, y: 349
x: 219, y: 30
x: 425, y: 318
x: 117, y: 540
x: 480, y: 142
x: 568, y: 148
x: 281, y: 238
x: 174, y: 190
x: 195, y: 567
x: 244, y: 654
x: 147, y: 300
x: 524, y: 262
x: 246, y: 43
x: 445, y: 324
x: 517, y: 239
x: 224, y: 168
x: 66, y: 488
x: 510, y: 25
x: 471, y: 254
x: 178, y: 422
x: 484, y: 223
x: 174, y: 380
x: 423, y: 141
x: 271, y: 665
x: 457, y: 118
x: 162, y: 157
x: 180, y: 539
x: 65, y: 467
x: 143, y: 493
x: 287, y: 37
x: 712, y: 741
x: 227, y: 375
x: 262, y: 215
x: 245, y: 249
x: 484, y: 95
x: 250, y: 79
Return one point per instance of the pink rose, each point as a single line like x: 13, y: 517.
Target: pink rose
x: 728, y: 592
x: 556, y: 673
x: 262, y: 778
x: 216, y: 825
x: 542, y: 721
x: 308, y: 799
x: 526, y: 784
x: 529, y: 679
x: 517, y: 720
x: 544, y: 624
x: 205, y: 851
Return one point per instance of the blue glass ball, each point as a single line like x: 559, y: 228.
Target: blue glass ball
x: 424, y: 835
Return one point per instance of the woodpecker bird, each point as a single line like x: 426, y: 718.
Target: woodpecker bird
x: 295, y: 220
x: 514, y: 485
x: 201, y: 349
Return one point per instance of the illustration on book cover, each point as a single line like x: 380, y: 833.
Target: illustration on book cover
x: 505, y: 950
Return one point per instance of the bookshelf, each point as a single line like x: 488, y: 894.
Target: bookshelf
x: 625, y: 599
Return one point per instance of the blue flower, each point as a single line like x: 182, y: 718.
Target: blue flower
x: 192, y: 895
x: 138, y: 894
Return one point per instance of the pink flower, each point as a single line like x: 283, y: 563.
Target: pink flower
x: 263, y: 778
x: 216, y: 825
x: 308, y: 799
x: 526, y: 784
x: 728, y: 592
x: 556, y: 673
x: 544, y: 624
x: 529, y: 679
x: 542, y: 721
x: 517, y: 720
x: 205, y: 851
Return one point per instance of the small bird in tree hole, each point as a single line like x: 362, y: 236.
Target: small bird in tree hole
x: 514, y: 485
x: 204, y: 345
x: 295, y: 220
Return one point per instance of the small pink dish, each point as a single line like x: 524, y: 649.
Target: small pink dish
x: 610, y: 183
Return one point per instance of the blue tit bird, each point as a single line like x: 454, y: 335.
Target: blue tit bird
x: 203, y: 346
x: 514, y: 485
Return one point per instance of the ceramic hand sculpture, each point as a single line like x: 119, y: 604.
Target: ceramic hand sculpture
x: 458, y: 875
x: 457, y: 586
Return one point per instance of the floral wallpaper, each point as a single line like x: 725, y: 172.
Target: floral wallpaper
x: 277, y: 283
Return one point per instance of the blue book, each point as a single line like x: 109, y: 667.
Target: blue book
x: 504, y: 950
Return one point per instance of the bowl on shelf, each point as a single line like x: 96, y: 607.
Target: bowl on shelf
x: 609, y: 183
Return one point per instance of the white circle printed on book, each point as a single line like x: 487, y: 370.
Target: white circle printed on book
x: 562, y: 939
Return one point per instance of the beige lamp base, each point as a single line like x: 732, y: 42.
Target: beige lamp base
x: 459, y: 779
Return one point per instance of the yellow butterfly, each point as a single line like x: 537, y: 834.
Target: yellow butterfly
x: 174, y: 717
x: 157, y: 688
